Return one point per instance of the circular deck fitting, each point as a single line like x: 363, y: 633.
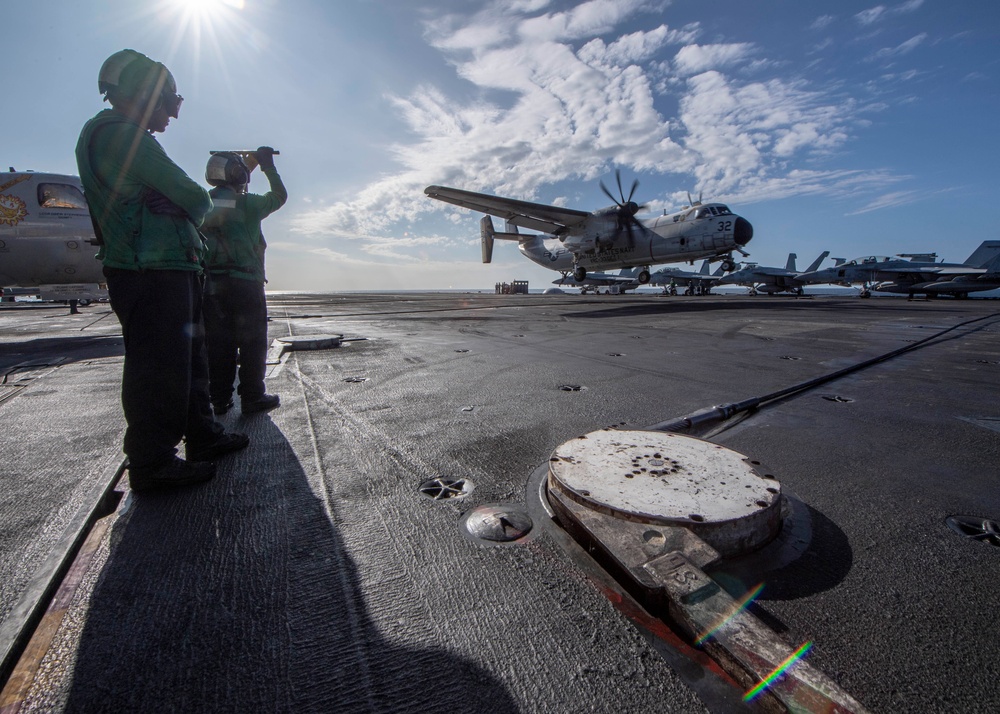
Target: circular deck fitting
x: 310, y: 342
x: 497, y: 523
x: 672, y: 480
x: 442, y: 488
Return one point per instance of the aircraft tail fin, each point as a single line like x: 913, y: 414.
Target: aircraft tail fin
x: 486, y: 234
x: 993, y: 267
x: 704, y: 267
x: 790, y: 263
x: 816, y: 263
x: 984, y: 254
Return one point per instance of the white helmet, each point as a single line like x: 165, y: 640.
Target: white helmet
x: 128, y: 74
x: 226, y: 168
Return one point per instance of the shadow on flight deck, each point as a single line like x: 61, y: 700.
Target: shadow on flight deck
x: 240, y: 596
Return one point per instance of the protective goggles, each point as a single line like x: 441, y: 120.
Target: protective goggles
x: 171, y: 103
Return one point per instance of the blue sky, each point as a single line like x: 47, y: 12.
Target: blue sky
x: 855, y: 127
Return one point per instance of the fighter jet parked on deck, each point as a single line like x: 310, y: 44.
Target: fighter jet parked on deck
x: 46, y: 237
x: 575, y: 242
x: 699, y: 283
x: 625, y: 280
x: 763, y: 279
x: 918, y: 274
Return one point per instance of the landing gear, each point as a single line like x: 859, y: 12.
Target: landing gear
x: 580, y: 274
x: 643, y: 276
x: 728, y: 265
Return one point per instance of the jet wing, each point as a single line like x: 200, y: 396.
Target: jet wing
x: 534, y: 216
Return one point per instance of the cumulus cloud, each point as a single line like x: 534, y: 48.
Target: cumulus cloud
x: 695, y: 59
x: 559, y: 96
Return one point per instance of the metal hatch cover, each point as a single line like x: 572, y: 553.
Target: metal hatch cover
x: 672, y: 480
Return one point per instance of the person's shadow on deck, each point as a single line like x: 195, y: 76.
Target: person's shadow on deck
x: 238, y: 596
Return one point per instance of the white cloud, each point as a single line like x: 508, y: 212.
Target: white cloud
x: 589, y: 19
x: 888, y: 200
x: 695, y: 59
x: 881, y: 12
x: 901, y: 49
x: 634, y: 47
x: 822, y: 21
x: 573, y: 112
x: 741, y: 133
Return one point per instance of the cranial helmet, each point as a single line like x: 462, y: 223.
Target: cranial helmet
x: 227, y: 169
x: 133, y: 76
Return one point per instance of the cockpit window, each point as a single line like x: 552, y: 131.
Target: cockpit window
x: 703, y: 213
x: 724, y: 210
x: 60, y: 195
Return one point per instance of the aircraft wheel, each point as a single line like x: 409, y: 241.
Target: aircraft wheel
x: 580, y: 274
x: 643, y: 277
x: 728, y: 266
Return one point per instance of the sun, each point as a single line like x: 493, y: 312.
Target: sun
x: 206, y: 8
x: 202, y: 26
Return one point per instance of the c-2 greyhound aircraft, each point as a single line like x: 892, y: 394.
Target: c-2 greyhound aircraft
x: 574, y: 241
x: 46, y: 237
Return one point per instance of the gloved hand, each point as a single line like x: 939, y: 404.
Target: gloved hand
x: 159, y: 204
x: 265, y: 157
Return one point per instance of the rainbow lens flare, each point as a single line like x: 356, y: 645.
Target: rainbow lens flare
x: 778, y: 671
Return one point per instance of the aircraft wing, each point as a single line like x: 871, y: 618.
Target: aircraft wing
x: 534, y: 216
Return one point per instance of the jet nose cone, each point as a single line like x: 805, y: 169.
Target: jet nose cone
x: 743, y: 232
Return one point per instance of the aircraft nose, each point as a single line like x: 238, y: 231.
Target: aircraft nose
x: 743, y: 232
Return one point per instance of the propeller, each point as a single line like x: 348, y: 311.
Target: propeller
x: 627, y: 208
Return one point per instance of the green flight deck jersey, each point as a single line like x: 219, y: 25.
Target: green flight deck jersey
x: 121, y: 167
x: 235, y: 243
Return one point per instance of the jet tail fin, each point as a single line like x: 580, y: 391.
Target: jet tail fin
x: 993, y: 267
x: 984, y: 254
x: 790, y: 263
x: 816, y: 263
x: 704, y: 268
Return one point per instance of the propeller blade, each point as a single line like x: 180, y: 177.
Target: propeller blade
x: 635, y: 185
x: 608, y: 193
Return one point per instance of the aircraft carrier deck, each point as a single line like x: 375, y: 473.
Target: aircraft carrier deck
x: 392, y: 539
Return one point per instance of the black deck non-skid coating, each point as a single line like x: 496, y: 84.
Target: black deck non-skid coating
x: 314, y: 573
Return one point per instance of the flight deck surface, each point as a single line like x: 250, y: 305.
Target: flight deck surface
x: 329, y: 566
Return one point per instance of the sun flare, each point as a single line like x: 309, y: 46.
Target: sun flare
x: 207, y: 7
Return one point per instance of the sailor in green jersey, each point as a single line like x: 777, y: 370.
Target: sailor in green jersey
x: 146, y: 212
x: 235, y: 306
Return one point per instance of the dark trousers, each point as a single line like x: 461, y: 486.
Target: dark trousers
x: 236, y: 323
x: 165, y: 377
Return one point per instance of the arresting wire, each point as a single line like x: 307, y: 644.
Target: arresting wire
x: 705, y: 419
